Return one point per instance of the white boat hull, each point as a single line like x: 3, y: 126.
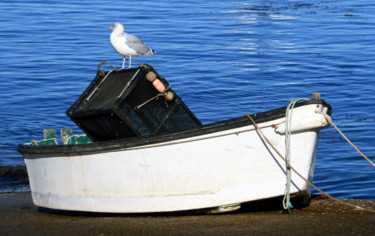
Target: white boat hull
x: 232, y: 166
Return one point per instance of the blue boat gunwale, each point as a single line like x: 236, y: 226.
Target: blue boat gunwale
x: 125, y: 143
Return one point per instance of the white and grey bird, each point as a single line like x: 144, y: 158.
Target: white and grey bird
x: 128, y: 45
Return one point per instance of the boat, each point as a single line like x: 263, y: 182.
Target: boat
x: 216, y: 166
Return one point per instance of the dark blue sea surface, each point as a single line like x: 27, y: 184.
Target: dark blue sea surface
x: 224, y: 58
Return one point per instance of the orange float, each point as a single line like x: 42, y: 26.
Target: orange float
x: 158, y: 85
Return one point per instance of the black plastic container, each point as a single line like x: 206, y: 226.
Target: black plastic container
x: 124, y: 104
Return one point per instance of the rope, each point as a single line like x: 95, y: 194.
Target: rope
x: 155, y: 97
x: 128, y: 84
x: 102, y: 63
x: 343, y: 135
x: 295, y: 171
x: 149, y: 100
x: 97, y: 87
x: 288, y: 133
x: 102, y: 81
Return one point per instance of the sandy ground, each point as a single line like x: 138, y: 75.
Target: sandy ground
x: 18, y: 216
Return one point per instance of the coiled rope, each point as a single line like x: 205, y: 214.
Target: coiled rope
x: 288, y: 133
x: 295, y: 171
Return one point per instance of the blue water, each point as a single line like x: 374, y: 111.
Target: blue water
x: 224, y: 58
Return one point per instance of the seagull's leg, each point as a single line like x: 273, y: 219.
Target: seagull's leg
x: 123, y: 63
x: 130, y: 61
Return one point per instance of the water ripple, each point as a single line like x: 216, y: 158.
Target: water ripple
x: 223, y: 58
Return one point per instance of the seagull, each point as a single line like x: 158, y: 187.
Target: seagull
x: 127, y: 44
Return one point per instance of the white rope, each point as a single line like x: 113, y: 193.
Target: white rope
x: 295, y: 171
x: 288, y: 133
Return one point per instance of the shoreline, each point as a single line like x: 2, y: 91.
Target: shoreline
x: 18, y: 215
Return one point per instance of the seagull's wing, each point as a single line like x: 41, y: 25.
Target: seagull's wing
x: 137, y: 44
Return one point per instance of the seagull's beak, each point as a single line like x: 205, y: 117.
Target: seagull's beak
x: 110, y: 28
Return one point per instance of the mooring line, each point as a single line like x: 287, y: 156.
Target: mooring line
x: 343, y: 135
x: 295, y: 171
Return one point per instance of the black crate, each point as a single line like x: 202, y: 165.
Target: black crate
x: 124, y: 104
